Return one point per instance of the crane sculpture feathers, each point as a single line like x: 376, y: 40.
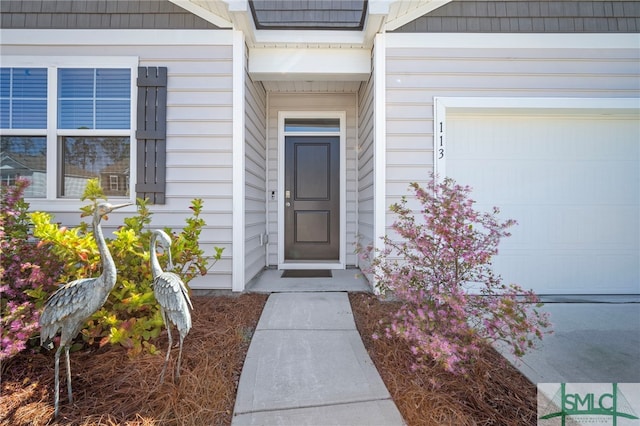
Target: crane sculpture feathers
x: 172, y: 296
x: 73, y: 303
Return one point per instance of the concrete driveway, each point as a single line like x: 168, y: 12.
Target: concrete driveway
x: 596, y: 340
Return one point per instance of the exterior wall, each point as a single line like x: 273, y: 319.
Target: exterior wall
x: 199, y: 131
x: 472, y: 66
x: 530, y: 16
x: 255, y: 177
x: 366, y: 163
x: 312, y: 102
x: 97, y: 14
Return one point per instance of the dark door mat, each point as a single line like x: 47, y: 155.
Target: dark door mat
x: 307, y: 273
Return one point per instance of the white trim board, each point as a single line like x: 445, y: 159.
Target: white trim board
x: 120, y: 37
x: 309, y: 64
x: 238, y: 158
x: 513, y: 41
x: 342, y: 115
x: 478, y: 104
x: 380, y: 142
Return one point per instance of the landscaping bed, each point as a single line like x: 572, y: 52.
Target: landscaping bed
x: 110, y: 388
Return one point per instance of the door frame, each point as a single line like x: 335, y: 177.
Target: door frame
x: 342, y: 116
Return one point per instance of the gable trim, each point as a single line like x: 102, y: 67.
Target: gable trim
x: 203, y: 13
x: 398, y: 22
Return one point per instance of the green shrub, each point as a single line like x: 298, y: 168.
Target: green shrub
x: 131, y: 316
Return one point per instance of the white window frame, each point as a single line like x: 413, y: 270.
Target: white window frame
x: 51, y: 201
x: 342, y: 116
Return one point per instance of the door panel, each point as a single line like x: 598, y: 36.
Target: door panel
x: 312, y: 198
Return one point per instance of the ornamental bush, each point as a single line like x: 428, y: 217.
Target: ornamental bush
x: 131, y: 316
x: 439, y: 266
x: 27, y: 272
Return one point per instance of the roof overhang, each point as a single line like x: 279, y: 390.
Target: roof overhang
x: 381, y: 15
x: 308, y: 55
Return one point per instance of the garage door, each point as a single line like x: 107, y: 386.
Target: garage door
x: 573, y: 184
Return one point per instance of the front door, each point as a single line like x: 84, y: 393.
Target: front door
x: 312, y: 198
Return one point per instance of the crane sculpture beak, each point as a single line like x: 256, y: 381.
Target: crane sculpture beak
x: 119, y: 206
x: 115, y: 207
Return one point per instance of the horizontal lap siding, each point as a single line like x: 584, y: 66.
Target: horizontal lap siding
x: 199, y: 140
x: 255, y: 177
x: 312, y: 102
x: 416, y: 75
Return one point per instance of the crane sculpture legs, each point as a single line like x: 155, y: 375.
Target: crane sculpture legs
x: 57, y: 382
x: 166, y: 359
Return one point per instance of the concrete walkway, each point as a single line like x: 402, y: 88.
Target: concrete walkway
x: 307, y: 365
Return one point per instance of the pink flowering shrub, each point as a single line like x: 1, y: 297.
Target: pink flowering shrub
x: 439, y: 267
x: 27, y: 273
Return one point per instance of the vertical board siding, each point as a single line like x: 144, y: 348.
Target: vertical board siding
x: 312, y: 102
x: 416, y: 75
x: 255, y: 177
x: 94, y: 14
x: 199, y: 140
x: 476, y: 16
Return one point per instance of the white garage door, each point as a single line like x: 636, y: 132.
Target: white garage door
x: 573, y: 184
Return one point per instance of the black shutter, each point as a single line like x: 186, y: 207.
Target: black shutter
x: 152, y: 133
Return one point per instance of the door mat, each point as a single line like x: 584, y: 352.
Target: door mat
x: 307, y: 273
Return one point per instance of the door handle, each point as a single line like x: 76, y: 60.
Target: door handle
x: 288, y: 204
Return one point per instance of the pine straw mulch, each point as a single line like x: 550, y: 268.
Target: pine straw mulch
x: 109, y: 388
x: 494, y: 393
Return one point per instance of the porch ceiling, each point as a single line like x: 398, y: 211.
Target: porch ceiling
x: 311, y: 57
x: 380, y: 16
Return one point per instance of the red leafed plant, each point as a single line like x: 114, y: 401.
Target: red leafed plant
x: 439, y: 266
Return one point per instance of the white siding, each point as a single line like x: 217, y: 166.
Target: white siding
x: 255, y: 177
x: 199, y: 138
x: 416, y: 75
x: 312, y: 102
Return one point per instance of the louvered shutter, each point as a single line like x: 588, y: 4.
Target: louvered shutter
x: 152, y: 133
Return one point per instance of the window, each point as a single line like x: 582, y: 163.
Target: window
x: 23, y: 110
x: 315, y: 125
x: 81, y: 130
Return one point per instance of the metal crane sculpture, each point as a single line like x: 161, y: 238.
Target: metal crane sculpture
x: 72, y: 304
x: 172, y: 295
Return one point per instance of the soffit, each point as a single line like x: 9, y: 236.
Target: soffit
x: 380, y: 16
x: 314, y: 58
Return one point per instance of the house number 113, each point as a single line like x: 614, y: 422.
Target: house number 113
x: 440, y: 142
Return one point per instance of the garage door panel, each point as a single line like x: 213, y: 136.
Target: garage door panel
x: 570, y: 227
x: 559, y: 272
x: 551, y: 182
x: 573, y: 185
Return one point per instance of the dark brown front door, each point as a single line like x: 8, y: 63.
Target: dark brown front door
x: 312, y: 198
